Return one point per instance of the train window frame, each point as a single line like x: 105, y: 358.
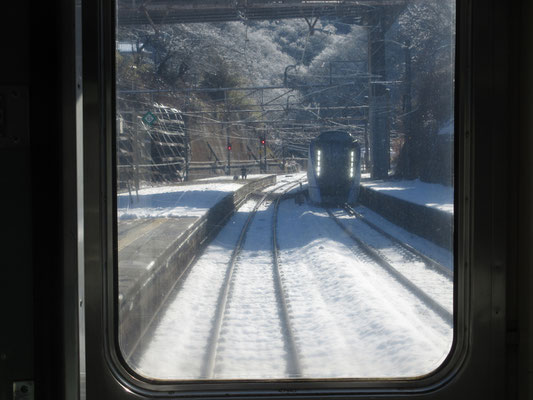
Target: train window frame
x: 107, y: 374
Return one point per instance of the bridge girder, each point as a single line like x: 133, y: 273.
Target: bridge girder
x: 159, y: 12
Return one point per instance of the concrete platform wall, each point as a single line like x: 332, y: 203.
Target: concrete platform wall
x: 430, y: 223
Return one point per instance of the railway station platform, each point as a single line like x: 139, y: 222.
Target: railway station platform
x: 421, y: 208
x: 160, y: 230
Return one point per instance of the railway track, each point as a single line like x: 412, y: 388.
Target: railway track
x: 378, y: 258
x: 227, y: 295
x: 351, y: 317
x: 295, y: 368
x: 430, y: 263
x: 320, y: 312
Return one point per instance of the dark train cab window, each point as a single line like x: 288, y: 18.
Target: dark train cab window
x: 284, y: 189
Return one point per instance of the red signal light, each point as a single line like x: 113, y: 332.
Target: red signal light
x: 263, y: 141
x: 229, y: 146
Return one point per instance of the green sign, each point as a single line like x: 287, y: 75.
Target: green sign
x: 149, y: 118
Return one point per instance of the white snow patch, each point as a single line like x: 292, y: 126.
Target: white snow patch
x: 430, y: 249
x: 173, y: 201
x: 176, y: 348
x: 352, y: 319
x: 431, y: 195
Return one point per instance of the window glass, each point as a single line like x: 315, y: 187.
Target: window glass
x: 285, y: 188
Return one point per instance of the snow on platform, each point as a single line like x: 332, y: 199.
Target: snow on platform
x: 152, y: 220
x: 430, y: 195
x: 174, y: 201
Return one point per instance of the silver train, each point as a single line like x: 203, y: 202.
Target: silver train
x: 334, y: 168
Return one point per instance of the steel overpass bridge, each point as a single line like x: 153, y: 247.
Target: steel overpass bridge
x: 137, y: 12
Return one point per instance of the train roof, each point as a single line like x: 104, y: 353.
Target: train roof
x: 335, y: 136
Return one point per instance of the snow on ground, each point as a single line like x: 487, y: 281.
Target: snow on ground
x: 252, y: 343
x: 426, y: 194
x: 433, y: 283
x: 430, y: 249
x: 177, y: 347
x: 351, y: 317
x: 283, y: 183
x: 230, y: 178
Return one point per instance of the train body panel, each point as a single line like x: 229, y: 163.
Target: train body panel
x: 334, y: 168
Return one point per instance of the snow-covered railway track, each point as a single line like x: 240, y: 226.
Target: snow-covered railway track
x: 235, y: 296
x: 176, y: 347
x: 295, y: 368
x: 351, y: 318
x: 378, y: 258
x: 323, y: 311
x: 429, y: 262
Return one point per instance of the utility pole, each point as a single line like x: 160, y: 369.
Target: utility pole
x: 265, y: 151
x: 228, y: 143
x: 367, y: 149
x: 228, y: 147
x: 378, y: 100
x: 262, y: 153
x: 408, y: 110
x: 136, y: 151
x: 263, y: 137
x: 283, y: 153
x: 187, y: 145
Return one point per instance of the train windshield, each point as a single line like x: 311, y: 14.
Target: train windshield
x: 284, y: 188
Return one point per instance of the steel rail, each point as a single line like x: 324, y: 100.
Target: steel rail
x: 295, y: 368
x: 211, y: 354
x: 430, y: 263
x: 442, y: 312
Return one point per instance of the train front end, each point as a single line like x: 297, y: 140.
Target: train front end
x: 334, y: 169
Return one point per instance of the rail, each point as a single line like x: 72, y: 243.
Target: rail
x: 214, y: 338
x: 430, y: 263
x: 410, y: 286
